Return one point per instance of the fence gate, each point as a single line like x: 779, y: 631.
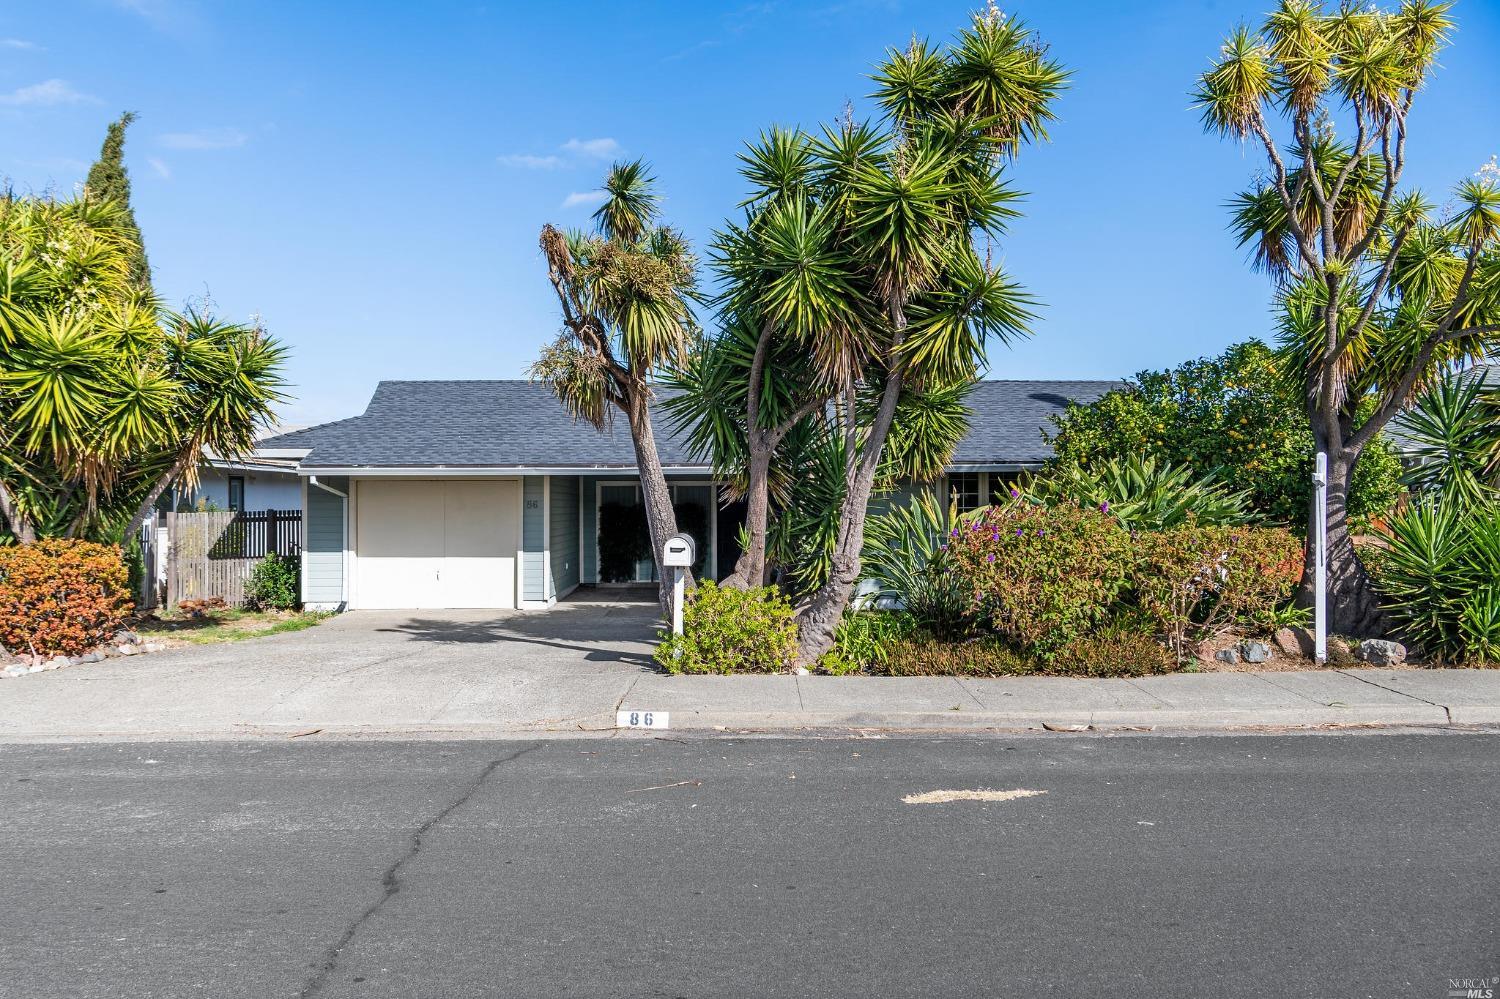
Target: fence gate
x: 212, y: 554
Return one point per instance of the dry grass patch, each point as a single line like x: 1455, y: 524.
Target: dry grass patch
x: 942, y: 797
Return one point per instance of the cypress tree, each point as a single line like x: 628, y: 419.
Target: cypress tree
x: 109, y: 180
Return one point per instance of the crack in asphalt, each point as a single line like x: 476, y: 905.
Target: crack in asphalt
x: 390, y: 881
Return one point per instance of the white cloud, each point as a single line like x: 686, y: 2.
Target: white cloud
x: 578, y: 198
x: 162, y: 170
x: 17, y: 43
x: 48, y: 93
x: 573, y: 151
x: 207, y: 138
x: 599, y: 149
x: 527, y: 161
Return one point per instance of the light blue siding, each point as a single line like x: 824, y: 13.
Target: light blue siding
x: 563, y: 535
x: 323, y: 544
x: 589, y: 557
x: 533, y: 539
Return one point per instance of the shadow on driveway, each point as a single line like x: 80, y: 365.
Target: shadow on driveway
x: 626, y: 630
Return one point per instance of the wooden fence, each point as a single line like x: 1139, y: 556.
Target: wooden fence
x: 199, y: 556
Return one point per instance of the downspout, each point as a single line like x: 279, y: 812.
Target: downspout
x: 344, y: 582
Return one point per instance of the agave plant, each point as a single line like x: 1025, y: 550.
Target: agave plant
x: 904, y: 556
x: 1441, y: 579
x: 1450, y: 435
x: 1144, y: 494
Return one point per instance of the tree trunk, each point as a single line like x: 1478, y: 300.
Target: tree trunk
x: 1353, y: 603
x: 16, y: 522
x: 822, y: 613
x: 144, y: 510
x: 750, y: 570
x: 661, y: 519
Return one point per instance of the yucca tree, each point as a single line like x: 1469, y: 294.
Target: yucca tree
x: 1380, y: 293
x: 105, y: 399
x: 625, y: 293
x: 856, y: 278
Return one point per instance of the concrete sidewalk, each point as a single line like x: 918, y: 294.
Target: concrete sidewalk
x: 1183, y: 700
x: 380, y: 678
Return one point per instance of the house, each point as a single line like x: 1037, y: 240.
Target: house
x: 258, y: 482
x: 484, y: 494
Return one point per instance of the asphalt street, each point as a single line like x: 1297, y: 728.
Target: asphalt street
x: 1352, y: 865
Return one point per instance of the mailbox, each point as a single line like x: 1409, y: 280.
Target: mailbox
x: 679, y: 552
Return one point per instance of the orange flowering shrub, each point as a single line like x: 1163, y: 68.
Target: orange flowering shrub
x: 61, y: 597
x: 1196, y: 582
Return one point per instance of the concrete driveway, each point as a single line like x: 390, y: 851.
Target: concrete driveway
x: 437, y: 671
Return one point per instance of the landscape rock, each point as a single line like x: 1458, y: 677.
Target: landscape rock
x: 128, y: 650
x: 1295, y: 642
x: 1255, y: 652
x: 1379, y: 652
x: 1339, y: 652
x: 1229, y: 655
x: 123, y: 637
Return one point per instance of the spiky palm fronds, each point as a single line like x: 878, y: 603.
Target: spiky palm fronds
x: 103, y: 397
x: 1450, y: 434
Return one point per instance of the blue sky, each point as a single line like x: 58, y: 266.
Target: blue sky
x: 370, y: 178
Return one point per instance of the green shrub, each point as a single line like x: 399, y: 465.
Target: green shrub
x: 1144, y: 494
x: 1194, y: 582
x: 1233, y: 414
x: 1441, y: 579
x: 863, y: 640
x: 905, y: 555
x: 1040, y: 576
x: 1108, y: 653
x: 61, y: 597
x: 275, y: 583
x: 728, y: 630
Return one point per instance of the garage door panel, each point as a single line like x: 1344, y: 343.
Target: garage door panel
x: 479, y: 545
x: 432, y: 543
x: 400, y: 545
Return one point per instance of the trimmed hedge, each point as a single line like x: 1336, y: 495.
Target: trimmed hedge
x: 61, y: 597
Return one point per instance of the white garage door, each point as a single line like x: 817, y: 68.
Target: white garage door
x: 426, y: 543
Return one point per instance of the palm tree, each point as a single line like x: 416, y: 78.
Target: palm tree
x: 106, y: 400
x: 624, y: 291
x: 1380, y: 294
x: 857, y: 306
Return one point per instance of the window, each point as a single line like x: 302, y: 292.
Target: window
x: 237, y: 493
x: 963, y: 488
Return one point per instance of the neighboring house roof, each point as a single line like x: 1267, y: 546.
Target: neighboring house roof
x: 521, y: 425
x: 1010, y: 416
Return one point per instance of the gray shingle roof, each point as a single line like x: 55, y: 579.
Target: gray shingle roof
x: 1009, y: 417
x: 518, y: 424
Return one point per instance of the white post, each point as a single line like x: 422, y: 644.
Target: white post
x: 679, y: 588
x: 1320, y: 558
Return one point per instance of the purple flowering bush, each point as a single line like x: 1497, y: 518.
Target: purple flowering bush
x: 1040, y: 576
